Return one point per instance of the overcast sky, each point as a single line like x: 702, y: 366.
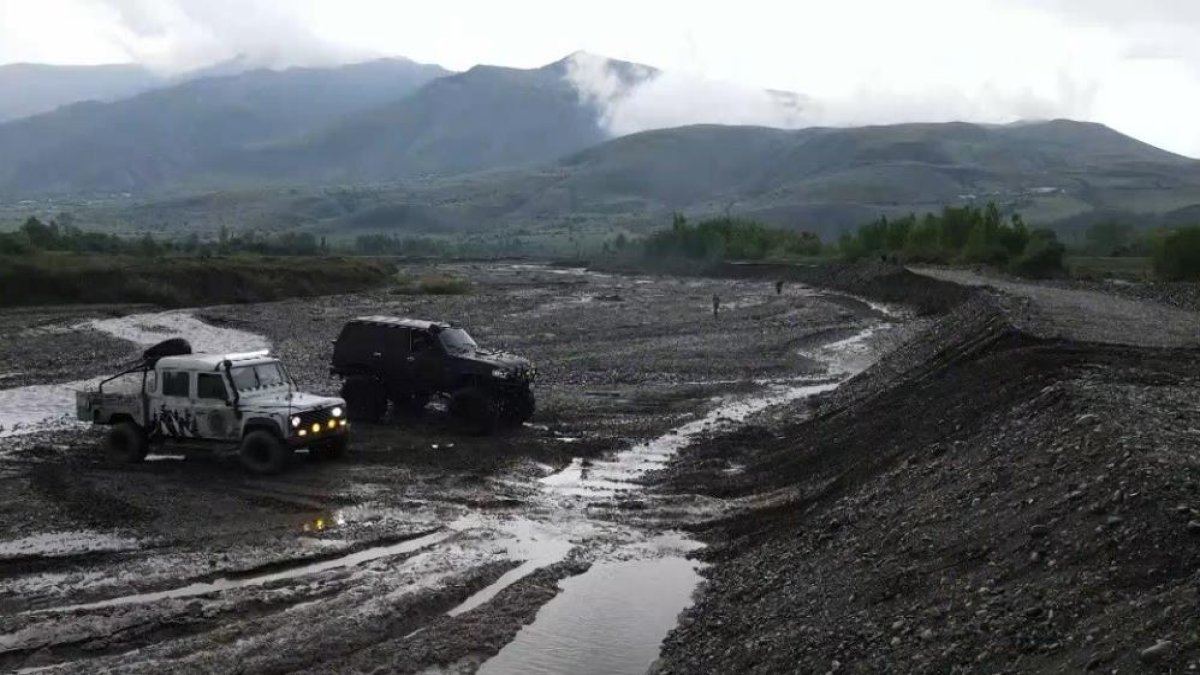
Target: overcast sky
x: 1131, y: 64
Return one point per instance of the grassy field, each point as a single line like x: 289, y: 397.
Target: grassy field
x: 49, y: 279
x: 1098, y: 267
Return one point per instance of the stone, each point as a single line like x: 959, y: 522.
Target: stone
x: 1155, y: 653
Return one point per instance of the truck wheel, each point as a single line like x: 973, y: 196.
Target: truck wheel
x: 332, y: 449
x: 410, y: 404
x: 126, y: 444
x: 518, y: 408
x: 476, y: 410
x: 263, y: 453
x: 366, y: 401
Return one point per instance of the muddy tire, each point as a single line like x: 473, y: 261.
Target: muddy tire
x: 518, y: 408
x: 366, y: 400
x: 262, y: 453
x: 475, y: 410
x: 331, y: 449
x: 126, y: 444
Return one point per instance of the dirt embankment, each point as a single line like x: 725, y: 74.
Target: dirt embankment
x: 1015, y: 490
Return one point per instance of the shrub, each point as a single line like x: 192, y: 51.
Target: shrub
x: 1042, y: 257
x: 1177, y: 255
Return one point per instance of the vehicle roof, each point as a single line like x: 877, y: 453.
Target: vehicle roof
x: 419, y: 324
x: 212, y: 361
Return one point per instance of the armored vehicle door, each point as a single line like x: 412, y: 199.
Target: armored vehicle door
x: 395, y: 363
x: 425, y: 361
x: 171, y: 414
x: 212, y: 407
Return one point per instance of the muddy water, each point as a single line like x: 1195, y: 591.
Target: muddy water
x: 48, y: 406
x: 608, y: 620
x: 612, y: 619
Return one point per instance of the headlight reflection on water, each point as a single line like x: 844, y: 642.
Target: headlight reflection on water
x: 325, y: 522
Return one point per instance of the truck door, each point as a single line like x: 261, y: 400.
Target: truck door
x: 171, y: 414
x: 396, y: 358
x: 212, y: 407
x: 425, y: 362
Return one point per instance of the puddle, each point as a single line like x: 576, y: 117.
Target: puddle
x: 51, y: 406
x: 609, y: 620
x: 225, y: 584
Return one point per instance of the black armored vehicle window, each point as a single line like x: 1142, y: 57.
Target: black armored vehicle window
x: 457, y: 340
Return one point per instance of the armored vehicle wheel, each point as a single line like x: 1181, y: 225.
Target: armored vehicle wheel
x: 334, y: 448
x: 366, y: 400
x: 476, y: 410
x: 126, y: 444
x: 410, y: 404
x: 517, y: 408
x: 263, y: 453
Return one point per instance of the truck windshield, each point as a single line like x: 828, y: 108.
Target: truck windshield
x: 457, y: 340
x: 260, y: 376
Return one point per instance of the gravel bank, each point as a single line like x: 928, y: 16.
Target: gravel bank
x: 1015, y: 490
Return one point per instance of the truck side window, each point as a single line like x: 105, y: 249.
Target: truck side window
x: 211, y: 385
x: 175, y: 383
x: 421, y: 341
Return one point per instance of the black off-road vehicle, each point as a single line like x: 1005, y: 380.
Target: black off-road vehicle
x: 408, y: 362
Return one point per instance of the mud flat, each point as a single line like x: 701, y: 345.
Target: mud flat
x: 1016, y: 489
x: 425, y: 550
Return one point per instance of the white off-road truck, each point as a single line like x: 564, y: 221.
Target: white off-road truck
x: 243, y: 402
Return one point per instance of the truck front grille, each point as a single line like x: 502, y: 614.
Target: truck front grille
x: 311, y: 417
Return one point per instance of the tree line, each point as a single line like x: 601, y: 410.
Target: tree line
x: 966, y: 234
x: 34, y: 235
x: 718, y: 239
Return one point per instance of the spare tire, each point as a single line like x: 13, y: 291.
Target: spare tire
x: 172, y: 347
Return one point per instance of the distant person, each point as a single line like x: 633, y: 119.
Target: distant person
x: 779, y: 287
x: 716, y: 305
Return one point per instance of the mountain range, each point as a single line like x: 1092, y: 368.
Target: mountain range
x: 397, y: 145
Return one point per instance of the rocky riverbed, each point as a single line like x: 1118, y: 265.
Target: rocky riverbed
x: 425, y: 548
x: 995, y: 476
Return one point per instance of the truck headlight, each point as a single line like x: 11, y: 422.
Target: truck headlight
x: 295, y: 422
x: 337, y: 411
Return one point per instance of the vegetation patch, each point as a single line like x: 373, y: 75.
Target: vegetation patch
x: 177, y: 281
x: 959, y: 235
x: 431, y: 284
x: 1177, y: 255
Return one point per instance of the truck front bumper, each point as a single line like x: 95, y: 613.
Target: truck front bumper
x: 317, y: 433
